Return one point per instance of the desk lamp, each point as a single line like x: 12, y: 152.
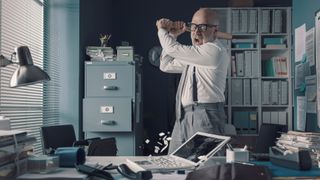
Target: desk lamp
x: 27, y: 73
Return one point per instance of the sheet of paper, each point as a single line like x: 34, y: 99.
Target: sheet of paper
x: 317, y: 31
x: 300, y: 42
x: 310, y: 53
x: 311, y: 93
x: 301, y: 112
x: 301, y: 71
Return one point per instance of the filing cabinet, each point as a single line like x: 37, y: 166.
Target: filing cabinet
x: 112, y: 104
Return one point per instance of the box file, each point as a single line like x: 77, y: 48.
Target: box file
x: 282, y: 117
x: 243, y: 21
x: 254, y: 92
x: 274, y: 117
x: 274, y: 92
x: 247, y: 63
x: 241, y: 121
x: 236, y: 92
x: 252, y: 21
x: 266, y: 117
x: 255, y: 64
x: 240, y: 64
x: 246, y: 92
x: 266, y: 92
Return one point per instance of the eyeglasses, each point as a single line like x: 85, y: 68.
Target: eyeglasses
x: 200, y: 27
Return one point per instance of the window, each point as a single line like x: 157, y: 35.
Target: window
x: 21, y: 23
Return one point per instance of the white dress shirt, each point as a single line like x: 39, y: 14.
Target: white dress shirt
x: 210, y: 59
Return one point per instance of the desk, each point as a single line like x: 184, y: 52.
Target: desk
x: 71, y: 173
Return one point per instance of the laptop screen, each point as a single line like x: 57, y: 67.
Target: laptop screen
x: 200, y: 146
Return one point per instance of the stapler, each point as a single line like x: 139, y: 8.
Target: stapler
x: 299, y: 159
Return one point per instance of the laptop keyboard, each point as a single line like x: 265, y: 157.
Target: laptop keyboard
x: 166, y: 162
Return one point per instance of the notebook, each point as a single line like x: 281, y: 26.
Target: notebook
x: 196, y: 150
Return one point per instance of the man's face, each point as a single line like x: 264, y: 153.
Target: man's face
x: 202, y: 30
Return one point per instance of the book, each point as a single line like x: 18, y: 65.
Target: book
x: 276, y: 46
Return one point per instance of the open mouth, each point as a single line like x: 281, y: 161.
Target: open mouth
x: 197, y: 40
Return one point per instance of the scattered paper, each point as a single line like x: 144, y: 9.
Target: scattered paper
x: 310, y: 46
x: 301, y: 113
x: 311, y: 93
x: 300, y: 42
x: 317, y: 25
x: 301, y: 71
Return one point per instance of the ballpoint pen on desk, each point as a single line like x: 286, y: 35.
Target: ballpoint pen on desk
x: 230, y: 147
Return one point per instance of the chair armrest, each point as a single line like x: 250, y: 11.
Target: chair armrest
x: 85, y: 142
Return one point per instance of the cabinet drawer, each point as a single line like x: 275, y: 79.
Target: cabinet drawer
x: 111, y: 80
x: 107, y: 114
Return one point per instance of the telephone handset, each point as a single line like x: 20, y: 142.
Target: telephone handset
x: 92, y: 171
x: 125, y: 171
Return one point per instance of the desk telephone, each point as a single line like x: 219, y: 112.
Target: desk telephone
x: 123, y: 169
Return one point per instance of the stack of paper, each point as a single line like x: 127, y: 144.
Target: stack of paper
x: 294, y: 140
x: 14, y: 148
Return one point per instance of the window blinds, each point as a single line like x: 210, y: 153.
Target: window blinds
x: 21, y: 23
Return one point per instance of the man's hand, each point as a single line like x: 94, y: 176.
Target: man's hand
x: 177, y: 28
x: 164, y: 23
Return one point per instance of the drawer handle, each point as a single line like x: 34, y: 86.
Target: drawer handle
x: 109, y: 122
x: 113, y: 88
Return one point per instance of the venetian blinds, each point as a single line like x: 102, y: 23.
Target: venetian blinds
x: 21, y: 23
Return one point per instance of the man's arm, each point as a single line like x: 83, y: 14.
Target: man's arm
x: 169, y: 64
x: 206, y: 55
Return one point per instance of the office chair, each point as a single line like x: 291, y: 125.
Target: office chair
x: 103, y: 147
x: 57, y: 136
x: 268, y: 134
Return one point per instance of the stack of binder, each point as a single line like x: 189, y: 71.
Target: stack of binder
x: 274, y: 92
x: 244, y: 21
x: 244, y: 64
x: 245, y: 122
x: 14, y: 149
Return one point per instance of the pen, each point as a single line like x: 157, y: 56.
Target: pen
x: 245, y: 163
x: 230, y: 147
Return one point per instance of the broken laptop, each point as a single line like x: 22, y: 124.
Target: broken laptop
x: 196, y: 150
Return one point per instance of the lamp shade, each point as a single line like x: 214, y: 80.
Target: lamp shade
x: 27, y: 73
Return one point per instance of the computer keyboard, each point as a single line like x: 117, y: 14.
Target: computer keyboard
x: 166, y: 162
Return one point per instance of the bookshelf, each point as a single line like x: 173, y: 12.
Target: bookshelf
x: 259, y: 81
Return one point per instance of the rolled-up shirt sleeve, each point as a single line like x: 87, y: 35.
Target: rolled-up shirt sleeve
x: 206, y: 55
x: 169, y: 64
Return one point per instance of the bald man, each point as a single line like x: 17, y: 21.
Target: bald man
x: 203, y: 65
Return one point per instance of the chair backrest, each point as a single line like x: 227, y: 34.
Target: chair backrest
x: 103, y: 147
x: 230, y: 130
x: 57, y: 136
x: 268, y: 134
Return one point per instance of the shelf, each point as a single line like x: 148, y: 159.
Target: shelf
x: 244, y: 49
x: 275, y: 106
x: 278, y: 78
x: 244, y: 77
x: 274, y: 34
x: 248, y: 75
x: 274, y: 49
x: 244, y: 106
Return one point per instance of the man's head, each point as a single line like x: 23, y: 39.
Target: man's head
x: 204, y: 26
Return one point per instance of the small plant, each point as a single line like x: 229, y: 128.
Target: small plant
x: 104, y: 38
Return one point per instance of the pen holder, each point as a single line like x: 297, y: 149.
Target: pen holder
x: 68, y: 156
x: 237, y: 155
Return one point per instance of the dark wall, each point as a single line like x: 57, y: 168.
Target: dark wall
x: 134, y: 21
x: 95, y: 19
